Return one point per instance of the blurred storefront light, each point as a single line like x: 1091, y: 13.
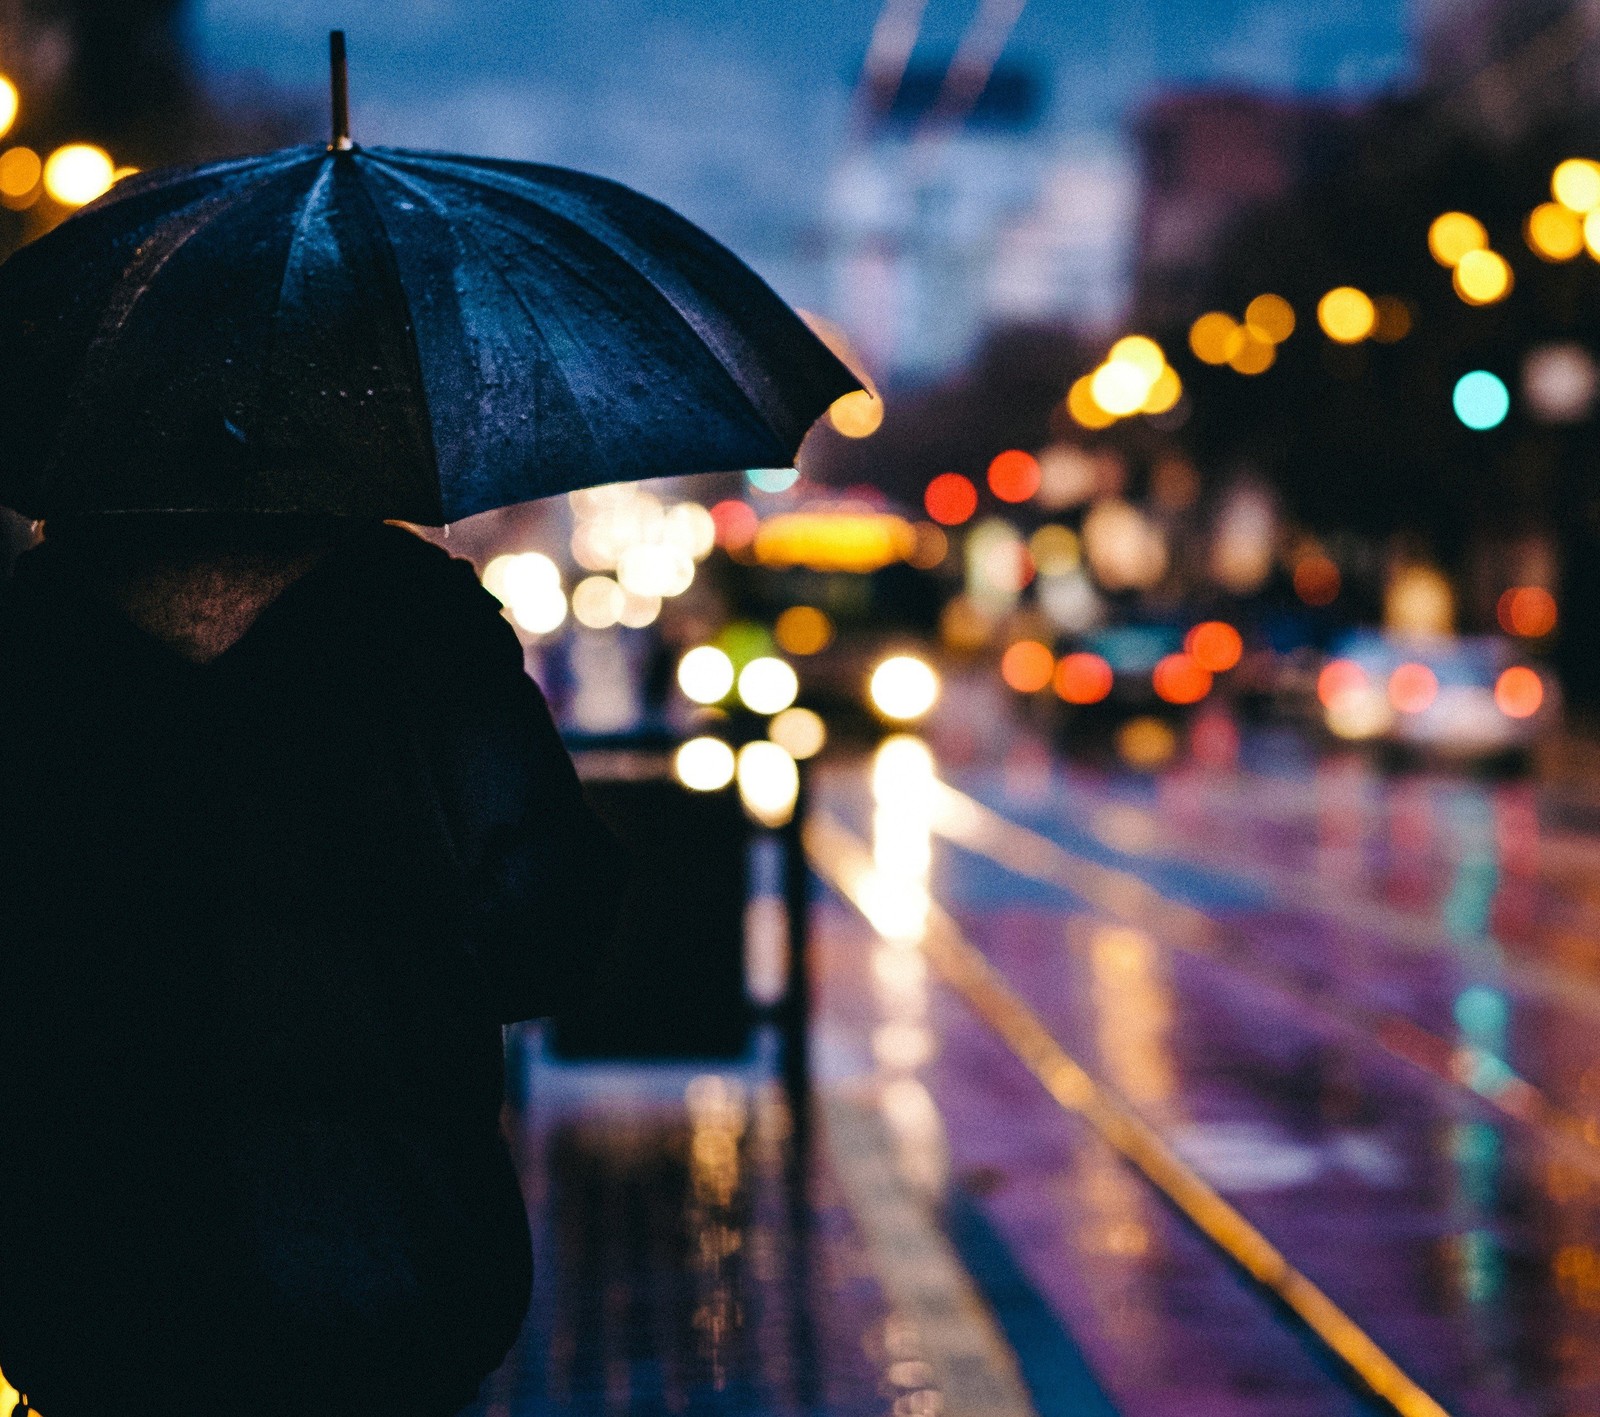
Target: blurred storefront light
x: 1419, y: 601
x: 77, y: 173
x: 20, y: 170
x: 1553, y: 232
x: 1481, y: 400
x: 998, y: 565
x: 799, y: 731
x: 655, y: 569
x: 705, y: 674
x: 1575, y: 183
x: 1084, y: 408
x: 904, y: 688
x: 768, y: 685
x: 1126, y: 550
x: 1347, y: 315
x: 1214, y: 645
x: 1178, y: 679
x: 690, y: 527
x: 1213, y: 337
x: 841, y: 540
x: 1483, y: 277
x: 704, y: 764
x: 769, y: 782
x: 1413, y: 687
x: 1453, y: 234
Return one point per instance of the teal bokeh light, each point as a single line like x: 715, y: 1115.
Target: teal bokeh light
x: 772, y: 479
x: 1481, y: 400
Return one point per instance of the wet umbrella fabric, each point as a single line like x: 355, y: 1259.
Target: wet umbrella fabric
x: 374, y: 332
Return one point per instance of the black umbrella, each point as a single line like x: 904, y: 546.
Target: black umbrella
x: 385, y: 333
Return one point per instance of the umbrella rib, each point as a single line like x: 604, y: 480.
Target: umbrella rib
x: 463, y: 233
x: 573, y: 226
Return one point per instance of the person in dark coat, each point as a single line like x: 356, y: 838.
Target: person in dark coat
x: 286, y: 835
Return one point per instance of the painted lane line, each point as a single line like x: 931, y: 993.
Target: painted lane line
x: 974, y: 1368
x: 846, y: 864
x: 1131, y: 900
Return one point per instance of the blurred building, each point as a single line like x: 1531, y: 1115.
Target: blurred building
x: 940, y: 230
x: 1209, y: 159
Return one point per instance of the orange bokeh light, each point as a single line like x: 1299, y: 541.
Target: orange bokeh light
x: 1083, y: 678
x: 736, y: 523
x: 1413, y: 687
x: 1014, y: 475
x: 1316, y: 580
x: 1180, y: 680
x: 1214, y: 645
x: 1528, y: 611
x: 1027, y: 666
x: 950, y: 499
x: 1340, y: 677
x: 1519, y: 692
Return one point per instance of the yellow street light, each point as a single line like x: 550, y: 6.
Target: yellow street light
x: 1347, y: 315
x: 19, y: 174
x: 78, y: 173
x: 1083, y: 408
x: 8, y: 105
x: 1453, y: 234
x: 1576, y: 184
x: 1553, y: 232
x: 1483, y: 277
x: 1119, y: 388
x: 1212, y: 337
x: 1270, y: 317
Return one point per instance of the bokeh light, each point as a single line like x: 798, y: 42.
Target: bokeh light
x: 705, y: 674
x: 1014, y: 475
x: 1483, y: 277
x: 950, y: 499
x: 1214, y: 645
x: 904, y: 687
x: 803, y: 629
x: 858, y: 414
x: 20, y: 170
x: 1413, y: 687
x: 1527, y: 611
x: 1270, y: 317
x: 1575, y: 183
x: 1392, y: 319
x: 597, y: 602
x: 1347, y: 315
x: 1119, y: 389
x: 799, y: 732
x: 736, y: 523
x: 1178, y: 679
x: 1164, y: 392
x: 1146, y: 743
x: 655, y: 568
x: 1340, y: 678
x: 1519, y: 692
x: 704, y: 764
x: 8, y: 105
x: 769, y: 782
x: 1083, y: 678
x: 1316, y: 579
x: 529, y: 586
x: 772, y: 479
x: 1213, y: 337
x: 1481, y: 400
x: 1252, y: 354
x: 1453, y: 234
x: 1055, y: 549
x: 1553, y: 232
x: 1027, y: 666
x: 77, y: 173
x: 1083, y: 408
x: 1419, y: 600
x: 768, y: 685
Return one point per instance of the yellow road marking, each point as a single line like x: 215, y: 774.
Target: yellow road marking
x: 1126, y: 897
x: 846, y: 864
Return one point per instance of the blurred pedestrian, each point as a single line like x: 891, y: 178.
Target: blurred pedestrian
x: 286, y: 835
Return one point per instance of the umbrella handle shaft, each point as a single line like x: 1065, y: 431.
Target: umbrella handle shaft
x: 340, y: 74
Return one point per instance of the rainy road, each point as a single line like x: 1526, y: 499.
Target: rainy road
x: 1090, y: 1045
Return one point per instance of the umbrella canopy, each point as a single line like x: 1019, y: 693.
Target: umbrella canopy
x: 384, y: 333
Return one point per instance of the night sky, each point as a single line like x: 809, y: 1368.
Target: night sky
x: 734, y: 110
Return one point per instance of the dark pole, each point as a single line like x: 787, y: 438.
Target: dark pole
x: 341, y: 93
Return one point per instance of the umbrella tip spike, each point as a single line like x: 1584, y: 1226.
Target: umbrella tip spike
x: 339, y: 72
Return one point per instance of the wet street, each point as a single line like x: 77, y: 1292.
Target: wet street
x: 1272, y: 1091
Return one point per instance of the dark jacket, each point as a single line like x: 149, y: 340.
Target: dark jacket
x: 260, y: 921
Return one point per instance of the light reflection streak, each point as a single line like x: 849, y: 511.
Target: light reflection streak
x: 1134, y: 1008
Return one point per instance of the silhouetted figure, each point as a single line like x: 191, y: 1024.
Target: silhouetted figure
x: 285, y: 835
